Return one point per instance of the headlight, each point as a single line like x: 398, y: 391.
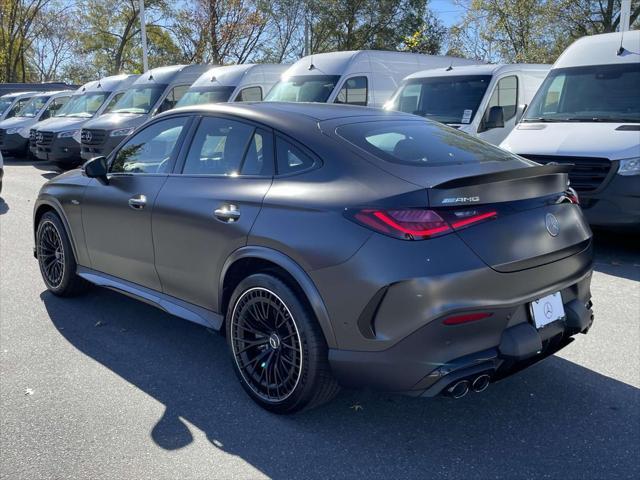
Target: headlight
x: 122, y: 132
x: 12, y: 131
x: 629, y: 166
x: 24, y: 132
x: 67, y: 133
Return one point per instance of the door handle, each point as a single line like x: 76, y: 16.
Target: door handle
x: 227, y: 213
x: 138, y: 202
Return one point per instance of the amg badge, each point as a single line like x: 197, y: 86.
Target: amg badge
x: 461, y: 200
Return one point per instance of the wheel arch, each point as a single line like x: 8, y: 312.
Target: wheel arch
x: 44, y: 206
x: 254, y: 259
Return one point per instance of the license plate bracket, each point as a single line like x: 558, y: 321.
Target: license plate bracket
x: 547, y: 310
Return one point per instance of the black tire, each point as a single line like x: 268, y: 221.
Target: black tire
x: 299, y: 370
x: 55, y: 258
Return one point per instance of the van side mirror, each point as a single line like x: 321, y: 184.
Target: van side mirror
x: 97, y: 168
x: 495, y: 118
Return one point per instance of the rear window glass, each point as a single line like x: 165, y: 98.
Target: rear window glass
x: 420, y: 143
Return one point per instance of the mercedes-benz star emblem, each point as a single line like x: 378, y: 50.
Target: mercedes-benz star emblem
x: 553, y: 227
x: 86, y: 136
x: 548, y: 310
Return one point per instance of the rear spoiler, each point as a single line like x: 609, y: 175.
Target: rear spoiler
x: 516, y: 174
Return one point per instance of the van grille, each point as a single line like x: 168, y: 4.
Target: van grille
x: 44, y: 138
x: 32, y: 137
x: 93, y: 137
x: 587, y: 174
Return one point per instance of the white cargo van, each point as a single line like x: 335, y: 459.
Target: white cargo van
x: 362, y: 77
x: 587, y: 113
x: 233, y: 83
x: 485, y: 101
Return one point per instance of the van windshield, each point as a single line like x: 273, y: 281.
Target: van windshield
x: 444, y: 99
x: 201, y: 95
x: 596, y: 93
x: 34, y: 106
x: 139, y: 100
x: 4, y: 104
x: 304, y: 88
x: 83, y: 106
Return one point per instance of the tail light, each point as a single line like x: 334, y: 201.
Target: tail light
x: 417, y: 223
x: 465, y: 318
x: 572, y: 195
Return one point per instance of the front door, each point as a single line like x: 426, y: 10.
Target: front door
x: 505, y: 95
x: 117, y: 216
x: 206, y: 210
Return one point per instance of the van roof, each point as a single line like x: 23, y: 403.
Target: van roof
x: 18, y: 94
x: 337, y: 63
x: 55, y: 93
x: 107, y: 84
x: 491, y: 69
x: 232, y: 75
x: 172, y: 74
x: 601, y: 50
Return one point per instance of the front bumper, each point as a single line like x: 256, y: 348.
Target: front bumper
x: 87, y: 152
x: 60, y: 150
x: 617, y: 204
x: 13, y: 144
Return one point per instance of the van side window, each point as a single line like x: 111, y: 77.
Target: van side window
x: 552, y: 98
x: 54, y: 107
x: 353, y: 92
x: 250, y: 94
x: 505, y: 95
x: 113, y: 102
x: 17, y: 107
x: 173, y: 97
x: 290, y: 158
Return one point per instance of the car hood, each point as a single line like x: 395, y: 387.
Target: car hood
x: 18, y: 122
x: 606, y: 140
x: 111, y: 121
x: 60, y: 124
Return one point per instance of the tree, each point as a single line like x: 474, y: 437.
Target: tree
x: 589, y: 17
x: 420, y: 30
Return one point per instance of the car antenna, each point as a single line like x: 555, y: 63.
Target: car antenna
x: 621, y: 50
x: 311, y: 65
x: 449, y: 68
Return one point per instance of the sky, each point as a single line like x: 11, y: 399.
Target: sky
x: 447, y: 10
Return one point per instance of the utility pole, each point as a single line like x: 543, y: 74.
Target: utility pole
x: 143, y: 32
x: 625, y: 15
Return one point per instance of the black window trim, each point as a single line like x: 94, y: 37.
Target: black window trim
x: 317, y: 161
x: 179, y: 165
x: 259, y: 87
x: 175, y: 154
x: 170, y: 88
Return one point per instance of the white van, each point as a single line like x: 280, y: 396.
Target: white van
x: 485, y: 101
x: 233, y: 83
x: 587, y: 113
x: 362, y: 77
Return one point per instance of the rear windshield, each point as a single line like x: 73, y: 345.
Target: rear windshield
x: 304, y: 88
x: 201, y: 95
x: 444, y: 99
x: 420, y: 143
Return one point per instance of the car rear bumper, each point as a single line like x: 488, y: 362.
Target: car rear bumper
x: 616, y: 205
x: 61, y: 150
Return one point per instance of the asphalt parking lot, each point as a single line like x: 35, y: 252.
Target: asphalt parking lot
x: 103, y: 386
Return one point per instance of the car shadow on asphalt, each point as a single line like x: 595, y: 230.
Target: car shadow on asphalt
x: 37, y: 164
x: 557, y: 418
x: 4, y: 206
x: 617, y: 253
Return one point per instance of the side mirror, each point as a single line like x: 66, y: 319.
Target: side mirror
x: 495, y: 118
x: 97, y: 168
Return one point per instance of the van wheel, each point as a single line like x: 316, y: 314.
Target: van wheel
x: 55, y: 257
x: 278, y: 349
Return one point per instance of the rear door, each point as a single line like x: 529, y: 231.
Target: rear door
x: 206, y: 209
x: 117, y: 217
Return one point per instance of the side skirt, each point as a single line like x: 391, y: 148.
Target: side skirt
x: 169, y: 304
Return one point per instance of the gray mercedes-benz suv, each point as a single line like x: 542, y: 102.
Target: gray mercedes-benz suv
x: 333, y: 245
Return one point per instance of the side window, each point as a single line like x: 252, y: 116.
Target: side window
x: 150, y: 150
x: 409, y: 97
x: 353, y: 92
x: 218, y: 147
x: 505, y: 95
x: 552, y: 99
x: 259, y: 157
x: 113, y: 102
x: 173, y: 97
x: 290, y: 158
x: 17, y: 107
x: 250, y: 94
x: 54, y: 107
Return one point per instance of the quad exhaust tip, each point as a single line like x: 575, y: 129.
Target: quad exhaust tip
x: 462, y: 387
x: 459, y: 389
x: 481, y: 383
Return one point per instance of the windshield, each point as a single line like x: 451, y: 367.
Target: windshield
x: 420, y: 143
x: 306, y: 88
x: 34, y: 106
x: 200, y: 95
x: 444, y: 99
x: 83, y: 106
x: 4, y: 104
x: 139, y: 100
x: 597, y: 93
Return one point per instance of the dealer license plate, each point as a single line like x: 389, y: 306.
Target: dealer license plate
x: 547, y: 309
